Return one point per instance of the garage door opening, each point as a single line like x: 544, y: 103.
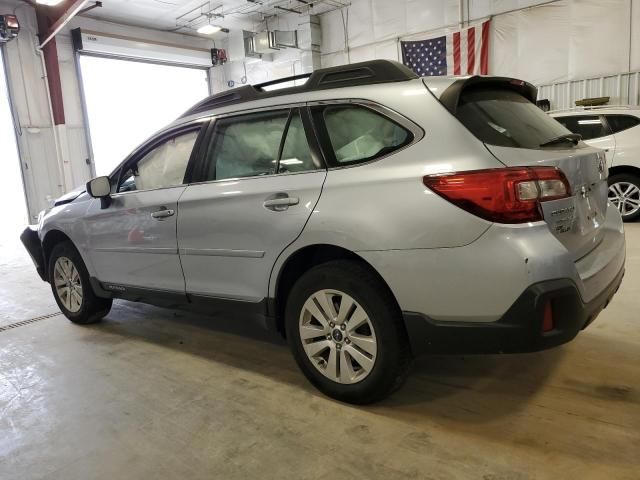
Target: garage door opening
x: 14, y: 213
x: 127, y: 101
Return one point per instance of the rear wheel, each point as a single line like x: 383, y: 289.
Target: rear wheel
x: 346, y: 332
x: 624, y: 194
x: 71, y: 288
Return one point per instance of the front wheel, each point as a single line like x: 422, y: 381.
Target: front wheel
x: 624, y: 194
x: 71, y: 288
x: 346, y: 332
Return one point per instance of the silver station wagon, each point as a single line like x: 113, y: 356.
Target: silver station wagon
x: 368, y: 215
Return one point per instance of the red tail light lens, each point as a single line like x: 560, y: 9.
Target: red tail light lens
x: 503, y: 195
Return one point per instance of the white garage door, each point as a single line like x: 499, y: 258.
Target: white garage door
x: 127, y: 101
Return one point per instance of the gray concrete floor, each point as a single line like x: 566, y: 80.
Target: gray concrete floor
x: 151, y: 393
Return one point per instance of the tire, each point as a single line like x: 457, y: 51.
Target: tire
x: 624, y: 193
x: 64, y: 263
x: 358, y: 376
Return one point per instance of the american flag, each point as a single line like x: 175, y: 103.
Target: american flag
x: 464, y: 52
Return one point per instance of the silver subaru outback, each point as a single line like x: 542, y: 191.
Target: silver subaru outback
x: 368, y: 215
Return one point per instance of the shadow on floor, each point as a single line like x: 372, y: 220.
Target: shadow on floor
x: 247, y: 345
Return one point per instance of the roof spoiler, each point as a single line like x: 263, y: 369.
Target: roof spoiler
x: 450, y: 98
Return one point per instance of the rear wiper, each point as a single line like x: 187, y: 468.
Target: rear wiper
x: 567, y: 137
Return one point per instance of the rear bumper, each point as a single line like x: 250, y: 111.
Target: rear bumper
x: 31, y: 242
x: 520, y: 329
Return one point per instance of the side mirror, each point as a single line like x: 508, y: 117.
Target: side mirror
x: 100, y: 188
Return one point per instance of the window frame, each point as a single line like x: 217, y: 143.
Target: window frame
x: 200, y: 169
x: 316, y: 109
x: 200, y: 126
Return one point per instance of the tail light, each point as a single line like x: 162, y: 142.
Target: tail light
x: 502, y: 195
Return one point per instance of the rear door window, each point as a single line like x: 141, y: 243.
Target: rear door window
x: 589, y: 126
x: 258, y: 144
x: 505, y: 118
x: 296, y: 155
x: 358, y: 134
x: 246, y: 145
x: 618, y: 123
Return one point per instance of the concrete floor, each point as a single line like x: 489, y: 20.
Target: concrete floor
x: 151, y: 393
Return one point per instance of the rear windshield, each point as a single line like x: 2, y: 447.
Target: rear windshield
x: 507, y: 119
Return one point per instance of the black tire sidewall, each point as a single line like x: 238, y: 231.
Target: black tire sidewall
x: 629, y: 178
x: 92, y: 308
x: 392, y: 348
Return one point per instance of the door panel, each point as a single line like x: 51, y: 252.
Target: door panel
x: 130, y: 247
x: 229, y: 239
x: 133, y: 241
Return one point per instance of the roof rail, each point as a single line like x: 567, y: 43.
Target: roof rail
x: 364, y: 73
x: 595, y: 107
x: 293, y: 78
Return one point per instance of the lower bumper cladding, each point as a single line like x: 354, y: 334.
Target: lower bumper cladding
x: 31, y: 242
x: 526, y: 327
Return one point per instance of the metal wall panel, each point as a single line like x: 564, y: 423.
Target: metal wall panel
x: 623, y: 90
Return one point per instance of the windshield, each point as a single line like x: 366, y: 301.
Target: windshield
x: 507, y: 119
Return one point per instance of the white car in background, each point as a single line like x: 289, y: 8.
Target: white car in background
x: 617, y: 131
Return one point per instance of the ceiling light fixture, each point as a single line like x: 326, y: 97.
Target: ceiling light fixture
x: 209, y: 29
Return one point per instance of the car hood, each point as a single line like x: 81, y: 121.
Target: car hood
x: 70, y: 196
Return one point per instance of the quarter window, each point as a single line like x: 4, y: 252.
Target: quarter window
x: 589, y: 126
x: 618, y: 123
x: 359, y: 134
x: 163, y: 166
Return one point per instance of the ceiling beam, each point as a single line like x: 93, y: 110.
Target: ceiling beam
x: 71, y: 9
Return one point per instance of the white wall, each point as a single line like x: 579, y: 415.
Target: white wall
x: 552, y: 42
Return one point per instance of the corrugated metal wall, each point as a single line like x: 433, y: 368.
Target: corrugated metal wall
x: 623, y: 90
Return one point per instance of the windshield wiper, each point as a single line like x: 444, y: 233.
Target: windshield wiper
x: 567, y: 137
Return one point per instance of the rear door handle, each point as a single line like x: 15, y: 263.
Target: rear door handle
x: 281, y: 204
x: 163, y: 213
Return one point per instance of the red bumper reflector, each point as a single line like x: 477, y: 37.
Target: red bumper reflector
x: 547, y: 320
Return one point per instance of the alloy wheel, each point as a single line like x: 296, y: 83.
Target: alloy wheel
x: 625, y: 196
x: 67, y: 283
x: 338, y: 336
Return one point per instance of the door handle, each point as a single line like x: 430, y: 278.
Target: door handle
x: 281, y: 203
x: 163, y: 213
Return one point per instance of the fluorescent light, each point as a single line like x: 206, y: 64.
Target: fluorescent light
x: 589, y: 122
x: 49, y: 3
x: 209, y: 29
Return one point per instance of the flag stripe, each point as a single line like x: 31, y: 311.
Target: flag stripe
x: 456, y: 53
x: 471, y: 50
x: 463, y: 52
x: 484, y: 50
x: 450, y: 62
